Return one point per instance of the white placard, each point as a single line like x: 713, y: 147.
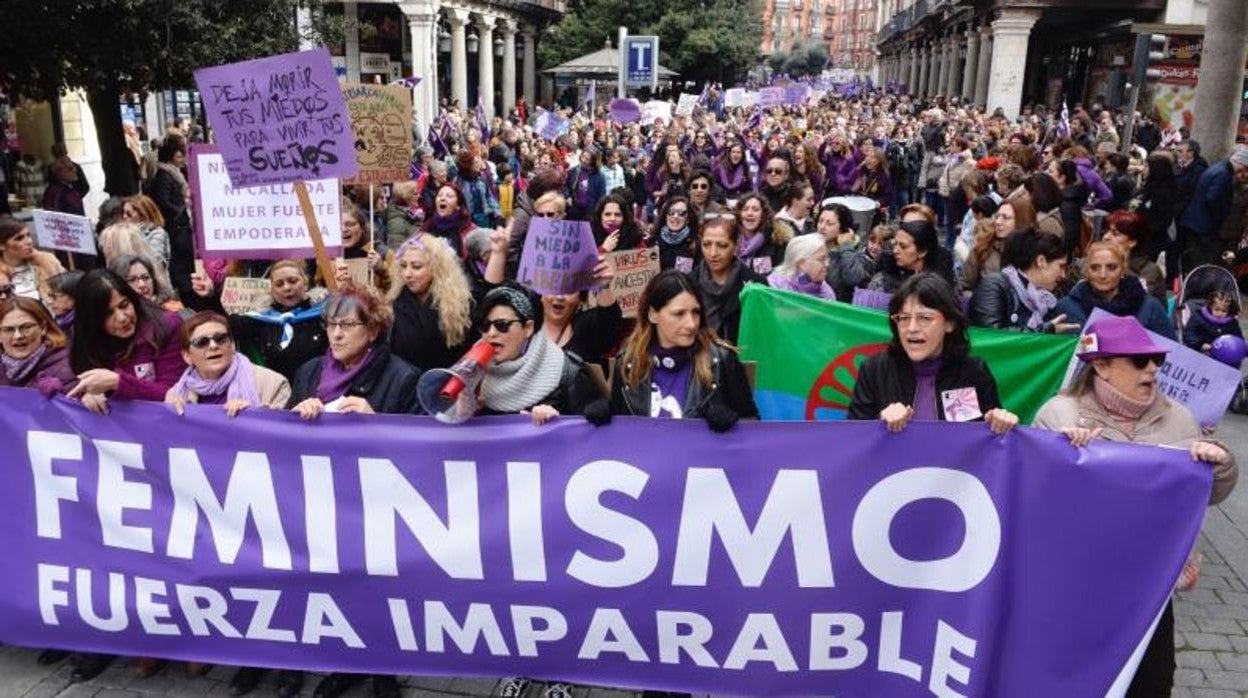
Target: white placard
x: 263, y: 222
x: 686, y: 104
x: 64, y: 231
x: 656, y: 109
x: 734, y: 97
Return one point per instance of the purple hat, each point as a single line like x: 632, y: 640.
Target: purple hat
x: 1116, y: 336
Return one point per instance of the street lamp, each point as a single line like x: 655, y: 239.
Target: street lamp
x: 498, y: 47
x: 444, y: 40
x: 473, y: 43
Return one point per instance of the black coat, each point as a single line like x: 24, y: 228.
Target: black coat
x: 576, y: 389
x: 262, y: 341
x: 417, y: 337
x: 730, y: 315
x: 388, y: 383
x: 730, y: 388
x: 994, y: 303
x: 889, y: 377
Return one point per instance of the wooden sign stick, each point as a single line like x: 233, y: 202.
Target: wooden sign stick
x: 314, y: 231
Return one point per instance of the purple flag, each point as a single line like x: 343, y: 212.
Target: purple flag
x: 775, y: 559
x: 1063, y: 123
x: 625, y: 111
x: 591, y: 96
x: 756, y: 119
x: 279, y: 119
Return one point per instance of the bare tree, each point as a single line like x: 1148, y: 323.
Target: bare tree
x: 1218, y: 91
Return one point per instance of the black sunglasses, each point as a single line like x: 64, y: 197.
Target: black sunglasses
x: 545, y: 214
x: 777, y: 170
x: 500, y: 326
x: 1141, y: 361
x: 220, y: 339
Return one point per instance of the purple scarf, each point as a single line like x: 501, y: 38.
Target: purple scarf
x: 750, y: 245
x: 446, y: 226
x: 1036, y: 299
x: 18, y: 370
x: 925, y: 388
x: 1204, y: 311
x: 237, y: 383
x: 335, y: 379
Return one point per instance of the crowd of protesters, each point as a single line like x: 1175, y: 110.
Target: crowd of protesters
x: 978, y: 220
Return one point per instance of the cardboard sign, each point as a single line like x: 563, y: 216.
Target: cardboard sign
x: 656, y: 109
x: 240, y: 295
x: 1201, y: 384
x: 359, y: 270
x: 559, y: 256
x: 381, y: 121
x: 263, y: 222
x: 279, y: 119
x: 64, y: 231
x: 686, y: 104
x: 633, y: 270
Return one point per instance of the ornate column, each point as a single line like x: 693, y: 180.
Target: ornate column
x: 942, y: 80
x: 925, y: 70
x: 509, y: 28
x: 422, y: 23
x: 954, y: 81
x: 530, y: 64
x: 972, y: 63
x: 458, y: 19
x: 983, y: 65
x: 485, y: 63
x: 1010, y: 35
x: 933, y: 75
x: 913, y: 79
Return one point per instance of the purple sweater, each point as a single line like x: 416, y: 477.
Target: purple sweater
x: 148, y: 373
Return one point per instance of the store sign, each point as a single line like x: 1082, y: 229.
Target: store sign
x: 1175, y: 73
x: 375, y: 63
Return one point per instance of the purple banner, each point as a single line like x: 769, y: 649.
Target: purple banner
x: 870, y: 298
x: 625, y: 111
x: 279, y: 119
x: 771, y: 97
x: 559, y: 256
x: 776, y: 559
x: 796, y: 94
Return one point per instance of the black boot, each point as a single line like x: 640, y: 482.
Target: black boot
x: 385, y: 686
x: 289, y: 683
x: 337, y: 684
x: 89, y: 666
x: 245, y: 680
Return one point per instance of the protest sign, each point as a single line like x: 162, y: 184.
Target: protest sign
x: 644, y: 553
x: 656, y: 109
x: 795, y: 94
x: 1201, y: 384
x: 734, y: 97
x: 685, y: 106
x: 361, y: 273
x: 559, y: 256
x: 279, y: 119
x: 625, y: 111
x: 633, y: 270
x: 867, y: 298
x: 381, y: 120
x: 771, y: 97
x: 550, y: 125
x: 261, y: 222
x: 817, y: 382
x: 241, y: 295
x: 64, y: 231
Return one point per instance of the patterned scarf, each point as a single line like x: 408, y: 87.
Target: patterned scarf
x: 18, y: 370
x: 511, y: 386
x: 1034, y: 298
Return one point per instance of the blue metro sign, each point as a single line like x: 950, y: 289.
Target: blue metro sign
x: 641, y: 60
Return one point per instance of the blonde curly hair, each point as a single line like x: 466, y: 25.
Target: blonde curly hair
x: 450, y: 290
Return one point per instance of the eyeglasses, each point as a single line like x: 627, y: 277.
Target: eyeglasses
x: 25, y: 329
x: 344, y: 325
x: 702, y: 185
x: 220, y: 339
x: 139, y: 279
x: 777, y: 170
x: 679, y: 213
x: 6, y: 291
x: 1141, y: 361
x: 923, y: 320
x: 501, y: 325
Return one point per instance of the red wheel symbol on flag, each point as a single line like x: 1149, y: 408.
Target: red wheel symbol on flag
x: 834, y: 388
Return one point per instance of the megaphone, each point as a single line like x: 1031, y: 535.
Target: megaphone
x: 450, y: 394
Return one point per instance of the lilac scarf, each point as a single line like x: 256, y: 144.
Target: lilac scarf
x: 750, y: 245
x: 18, y: 370
x: 1036, y: 299
x: 237, y: 383
x: 335, y: 379
x: 1214, y: 319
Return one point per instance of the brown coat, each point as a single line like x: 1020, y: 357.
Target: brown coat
x: 1166, y: 423
x: 1051, y: 222
x: 273, y: 387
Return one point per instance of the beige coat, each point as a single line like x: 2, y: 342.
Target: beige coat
x: 273, y: 387
x: 1166, y: 423
x: 1051, y: 222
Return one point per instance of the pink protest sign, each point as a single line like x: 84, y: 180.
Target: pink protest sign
x: 558, y: 257
x: 279, y: 119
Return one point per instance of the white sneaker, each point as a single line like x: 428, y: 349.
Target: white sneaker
x: 513, y: 687
x: 558, y: 690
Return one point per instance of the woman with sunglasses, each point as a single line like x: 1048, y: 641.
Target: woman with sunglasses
x: 33, y: 351
x: 358, y: 373
x: 1108, y: 284
x: 29, y: 268
x: 673, y: 231
x: 721, y: 273
x: 529, y: 373
x: 702, y: 190
x: 217, y: 374
x: 927, y: 372
x: 125, y: 347
x: 1115, y: 397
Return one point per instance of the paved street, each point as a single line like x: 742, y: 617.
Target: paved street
x: 1211, y: 629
